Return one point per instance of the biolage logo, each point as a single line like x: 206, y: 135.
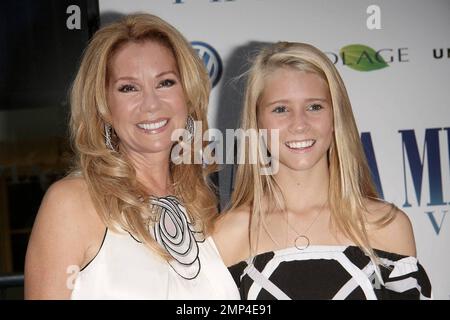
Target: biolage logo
x: 211, y: 59
x: 360, y: 57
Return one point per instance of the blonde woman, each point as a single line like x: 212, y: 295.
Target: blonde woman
x: 128, y: 223
x: 315, y: 229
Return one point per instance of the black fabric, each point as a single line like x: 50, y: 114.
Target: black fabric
x: 320, y: 279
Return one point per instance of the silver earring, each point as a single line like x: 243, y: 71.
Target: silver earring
x: 190, y: 127
x: 108, y: 134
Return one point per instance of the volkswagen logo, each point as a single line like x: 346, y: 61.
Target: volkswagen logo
x: 211, y: 59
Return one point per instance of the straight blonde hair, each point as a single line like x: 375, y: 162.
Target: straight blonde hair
x: 110, y: 177
x: 350, y: 178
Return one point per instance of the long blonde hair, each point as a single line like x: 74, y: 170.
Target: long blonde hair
x: 111, y: 178
x: 350, y: 178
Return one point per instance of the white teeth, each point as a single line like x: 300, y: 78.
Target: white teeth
x: 152, y: 126
x: 300, y: 144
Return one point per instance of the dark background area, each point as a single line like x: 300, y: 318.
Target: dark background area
x: 39, y: 53
x: 39, y: 57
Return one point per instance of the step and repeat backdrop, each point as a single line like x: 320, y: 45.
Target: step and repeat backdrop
x: 394, y: 56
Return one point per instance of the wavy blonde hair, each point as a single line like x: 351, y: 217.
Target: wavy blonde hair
x: 350, y: 178
x: 110, y: 176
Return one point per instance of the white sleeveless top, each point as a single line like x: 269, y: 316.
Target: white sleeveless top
x: 126, y: 269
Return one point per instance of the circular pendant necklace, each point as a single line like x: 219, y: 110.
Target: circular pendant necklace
x: 302, y: 241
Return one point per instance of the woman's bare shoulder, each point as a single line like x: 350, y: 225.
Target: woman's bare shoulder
x: 68, y: 184
x: 395, y: 234
x: 231, y: 234
x: 67, y: 198
x: 238, y: 217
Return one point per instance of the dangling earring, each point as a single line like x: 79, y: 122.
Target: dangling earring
x: 108, y: 134
x: 330, y: 152
x: 190, y: 127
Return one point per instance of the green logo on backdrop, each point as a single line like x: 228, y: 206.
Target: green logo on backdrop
x: 362, y: 58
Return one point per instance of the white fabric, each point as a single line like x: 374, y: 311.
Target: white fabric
x: 404, y: 266
x: 126, y: 269
x: 265, y: 283
x: 352, y: 284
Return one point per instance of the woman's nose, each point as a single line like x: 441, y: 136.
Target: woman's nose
x: 299, y: 122
x: 151, y: 101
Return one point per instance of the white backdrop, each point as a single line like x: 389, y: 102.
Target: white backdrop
x: 404, y: 107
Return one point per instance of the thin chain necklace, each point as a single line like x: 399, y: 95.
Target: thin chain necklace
x: 302, y: 241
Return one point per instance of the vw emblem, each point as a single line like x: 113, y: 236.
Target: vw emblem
x: 211, y: 59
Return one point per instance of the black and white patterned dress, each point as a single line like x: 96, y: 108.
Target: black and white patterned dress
x: 330, y: 272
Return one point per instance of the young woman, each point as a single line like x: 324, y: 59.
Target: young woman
x: 315, y: 229
x: 127, y: 223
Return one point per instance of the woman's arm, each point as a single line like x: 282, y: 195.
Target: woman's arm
x: 59, y: 240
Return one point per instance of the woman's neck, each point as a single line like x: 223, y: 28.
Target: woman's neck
x: 304, y: 189
x: 153, y: 172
